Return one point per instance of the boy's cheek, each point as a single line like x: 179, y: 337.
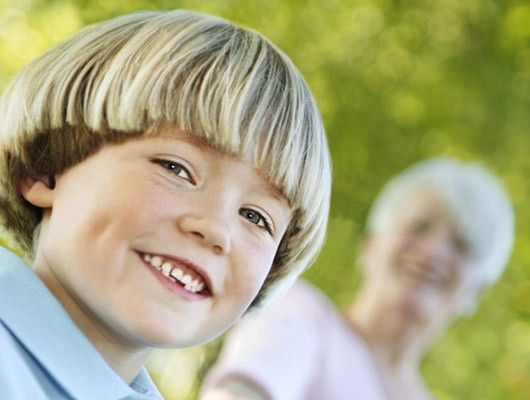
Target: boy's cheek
x: 249, y: 281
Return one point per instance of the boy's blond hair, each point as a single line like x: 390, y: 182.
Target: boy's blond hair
x: 203, y: 75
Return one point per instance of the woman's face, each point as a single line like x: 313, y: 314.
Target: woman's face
x: 420, y: 265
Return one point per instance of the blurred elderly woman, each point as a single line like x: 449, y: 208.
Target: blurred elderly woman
x: 438, y: 234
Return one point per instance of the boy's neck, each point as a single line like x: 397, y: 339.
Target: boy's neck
x: 125, y: 360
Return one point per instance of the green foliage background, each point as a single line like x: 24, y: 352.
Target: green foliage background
x: 396, y: 81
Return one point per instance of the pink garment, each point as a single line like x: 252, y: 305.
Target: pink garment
x: 299, y: 348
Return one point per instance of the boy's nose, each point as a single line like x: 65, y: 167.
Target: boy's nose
x: 208, y: 231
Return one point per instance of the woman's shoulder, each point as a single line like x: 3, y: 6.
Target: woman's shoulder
x: 305, y: 293
x: 304, y: 301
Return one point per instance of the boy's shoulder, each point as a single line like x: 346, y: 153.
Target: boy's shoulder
x: 43, y: 354
x: 8, y: 346
x: 21, y: 374
x: 18, y: 377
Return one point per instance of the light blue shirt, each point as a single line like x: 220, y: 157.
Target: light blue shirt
x: 43, y: 355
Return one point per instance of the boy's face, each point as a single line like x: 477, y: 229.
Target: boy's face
x: 116, y: 224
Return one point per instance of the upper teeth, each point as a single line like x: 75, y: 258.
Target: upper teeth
x: 175, y: 273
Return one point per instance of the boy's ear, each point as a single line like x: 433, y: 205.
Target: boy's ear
x: 38, y: 192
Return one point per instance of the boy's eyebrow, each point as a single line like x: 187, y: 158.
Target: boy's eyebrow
x: 275, y: 193
x: 195, y: 140
x: 168, y: 133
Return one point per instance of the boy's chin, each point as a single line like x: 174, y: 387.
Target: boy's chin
x: 178, y: 336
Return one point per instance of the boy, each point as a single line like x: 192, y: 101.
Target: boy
x: 159, y: 172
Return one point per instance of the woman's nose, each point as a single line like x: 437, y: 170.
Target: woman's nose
x: 439, y: 245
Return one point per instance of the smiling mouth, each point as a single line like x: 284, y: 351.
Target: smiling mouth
x: 178, y: 272
x: 424, y: 275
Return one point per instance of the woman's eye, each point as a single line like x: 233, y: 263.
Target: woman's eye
x: 176, y: 169
x: 461, y: 245
x: 421, y: 226
x: 256, y: 218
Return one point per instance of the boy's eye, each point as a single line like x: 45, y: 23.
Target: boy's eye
x: 256, y: 218
x: 176, y: 169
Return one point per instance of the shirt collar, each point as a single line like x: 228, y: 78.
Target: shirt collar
x: 40, y: 323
